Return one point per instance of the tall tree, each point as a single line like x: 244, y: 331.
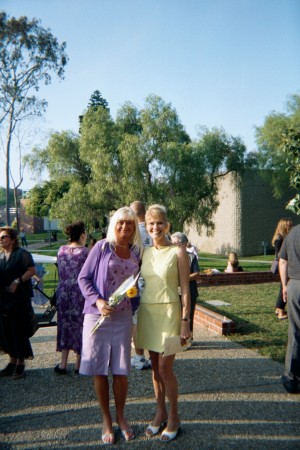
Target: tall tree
x: 28, y: 55
x: 97, y: 100
x: 159, y: 162
x: 270, y: 155
x: 291, y: 147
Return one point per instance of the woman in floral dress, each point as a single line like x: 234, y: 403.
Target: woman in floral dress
x: 70, y: 301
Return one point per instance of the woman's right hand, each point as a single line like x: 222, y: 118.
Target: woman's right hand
x: 104, y: 308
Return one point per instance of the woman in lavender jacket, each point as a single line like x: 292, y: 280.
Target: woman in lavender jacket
x: 109, y: 263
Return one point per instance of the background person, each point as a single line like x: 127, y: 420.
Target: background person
x: 139, y: 361
x: 110, y: 262
x: 23, y: 237
x: 289, y: 269
x: 283, y: 227
x: 233, y: 264
x: 192, y: 249
x: 179, y: 238
x: 70, y: 302
x: 161, y: 315
x: 16, y: 270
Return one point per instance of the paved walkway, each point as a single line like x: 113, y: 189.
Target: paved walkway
x: 230, y: 397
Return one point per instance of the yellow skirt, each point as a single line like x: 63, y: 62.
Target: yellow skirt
x: 155, y: 322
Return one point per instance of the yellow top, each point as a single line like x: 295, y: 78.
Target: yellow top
x: 160, y: 273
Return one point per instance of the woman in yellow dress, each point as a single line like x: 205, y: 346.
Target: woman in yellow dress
x: 161, y: 315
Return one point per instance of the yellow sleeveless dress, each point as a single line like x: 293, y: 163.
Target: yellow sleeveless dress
x: 159, y: 314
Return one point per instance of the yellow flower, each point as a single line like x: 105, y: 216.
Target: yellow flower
x: 132, y: 292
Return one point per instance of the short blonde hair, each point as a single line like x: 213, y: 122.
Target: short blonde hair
x: 156, y: 211
x: 124, y: 213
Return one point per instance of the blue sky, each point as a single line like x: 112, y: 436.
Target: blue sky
x: 219, y: 63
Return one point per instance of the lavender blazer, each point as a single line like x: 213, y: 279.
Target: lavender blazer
x: 93, y: 278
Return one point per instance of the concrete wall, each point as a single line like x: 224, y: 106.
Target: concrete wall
x: 260, y: 214
x: 247, y: 215
x: 227, y: 219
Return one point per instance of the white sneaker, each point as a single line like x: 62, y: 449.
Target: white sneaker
x: 140, y: 362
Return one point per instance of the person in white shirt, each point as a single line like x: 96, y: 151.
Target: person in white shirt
x: 139, y: 361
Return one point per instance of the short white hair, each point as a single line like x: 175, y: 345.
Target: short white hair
x: 181, y: 237
x: 124, y: 213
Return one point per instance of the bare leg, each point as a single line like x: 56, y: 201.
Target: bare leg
x: 120, y: 389
x: 159, y: 391
x: 101, y: 386
x: 77, y: 364
x: 138, y: 351
x: 171, y: 389
x: 64, y: 359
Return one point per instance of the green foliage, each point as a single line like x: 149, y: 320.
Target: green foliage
x: 97, y: 100
x: 270, y: 156
x: 3, y: 196
x: 291, y: 147
x: 145, y: 154
x: 43, y: 197
x: 61, y: 157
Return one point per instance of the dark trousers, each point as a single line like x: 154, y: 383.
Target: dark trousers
x: 193, y: 306
x: 292, y: 358
x: 280, y: 303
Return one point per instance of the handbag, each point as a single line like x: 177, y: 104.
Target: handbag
x: 33, y: 324
x: 274, y: 266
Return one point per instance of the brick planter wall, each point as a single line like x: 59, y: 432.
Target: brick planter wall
x: 214, y: 322
x: 219, y: 279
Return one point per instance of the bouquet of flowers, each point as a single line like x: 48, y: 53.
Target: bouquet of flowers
x: 126, y: 289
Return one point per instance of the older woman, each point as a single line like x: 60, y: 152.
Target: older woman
x: 16, y: 270
x: 70, y: 301
x: 161, y: 315
x: 110, y: 262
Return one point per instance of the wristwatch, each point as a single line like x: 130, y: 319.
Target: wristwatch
x: 17, y: 281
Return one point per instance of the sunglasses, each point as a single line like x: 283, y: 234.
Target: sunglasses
x: 4, y: 237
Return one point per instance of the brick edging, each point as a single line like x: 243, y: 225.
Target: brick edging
x: 219, y: 279
x: 214, y: 322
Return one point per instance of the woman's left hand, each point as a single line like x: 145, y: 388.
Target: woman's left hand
x: 185, y: 332
x: 12, y: 287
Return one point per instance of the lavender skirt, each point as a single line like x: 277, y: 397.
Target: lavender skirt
x: 109, y: 347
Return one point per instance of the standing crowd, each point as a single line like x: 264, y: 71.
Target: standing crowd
x: 98, y: 323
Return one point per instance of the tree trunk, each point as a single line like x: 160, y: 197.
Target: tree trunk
x: 8, y: 142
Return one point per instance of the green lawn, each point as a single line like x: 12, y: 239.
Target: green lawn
x: 252, y: 307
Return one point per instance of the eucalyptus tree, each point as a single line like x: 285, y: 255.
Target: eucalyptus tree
x: 160, y: 164
x: 29, y: 54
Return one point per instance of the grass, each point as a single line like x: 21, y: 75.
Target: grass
x: 252, y: 307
